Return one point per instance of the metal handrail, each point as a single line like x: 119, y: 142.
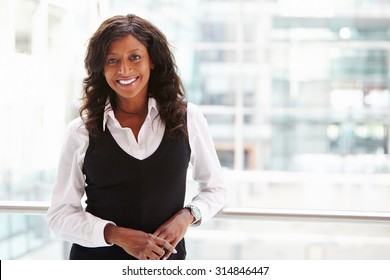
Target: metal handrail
x: 24, y: 207
x: 320, y: 215
x: 40, y: 207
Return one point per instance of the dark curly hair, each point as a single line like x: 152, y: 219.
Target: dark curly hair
x: 164, y: 83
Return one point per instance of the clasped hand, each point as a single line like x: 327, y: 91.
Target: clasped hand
x: 145, y: 246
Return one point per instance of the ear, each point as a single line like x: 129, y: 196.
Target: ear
x: 152, y: 66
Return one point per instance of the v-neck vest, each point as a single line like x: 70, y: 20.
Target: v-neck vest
x: 133, y: 193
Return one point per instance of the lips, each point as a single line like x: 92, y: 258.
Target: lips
x: 126, y: 82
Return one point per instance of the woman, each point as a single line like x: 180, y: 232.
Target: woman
x: 129, y: 151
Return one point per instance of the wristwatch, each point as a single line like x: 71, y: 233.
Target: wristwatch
x: 194, y: 212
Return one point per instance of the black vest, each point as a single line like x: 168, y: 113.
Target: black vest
x: 138, y: 194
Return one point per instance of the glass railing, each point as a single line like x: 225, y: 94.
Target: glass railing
x: 235, y: 233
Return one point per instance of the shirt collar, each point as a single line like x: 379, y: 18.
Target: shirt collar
x: 109, y: 112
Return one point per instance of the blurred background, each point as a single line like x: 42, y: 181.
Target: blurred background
x: 296, y: 93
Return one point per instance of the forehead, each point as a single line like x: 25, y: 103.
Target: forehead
x: 125, y: 44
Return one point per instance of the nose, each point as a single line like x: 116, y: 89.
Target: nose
x: 124, y: 67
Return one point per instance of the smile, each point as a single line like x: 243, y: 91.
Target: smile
x: 127, y: 82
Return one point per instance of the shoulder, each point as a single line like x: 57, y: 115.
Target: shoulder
x: 196, y: 122
x: 194, y: 112
x: 76, y: 127
x: 75, y: 142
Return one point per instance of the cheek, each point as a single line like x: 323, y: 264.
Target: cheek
x: 107, y: 77
x: 107, y: 73
x: 146, y: 69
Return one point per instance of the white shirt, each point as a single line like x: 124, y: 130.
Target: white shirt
x: 66, y: 215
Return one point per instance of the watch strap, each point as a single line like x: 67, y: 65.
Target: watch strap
x: 194, y: 212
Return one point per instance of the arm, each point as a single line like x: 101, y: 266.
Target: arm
x: 206, y: 168
x: 66, y: 216
x: 207, y: 172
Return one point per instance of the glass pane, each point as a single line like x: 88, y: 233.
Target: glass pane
x: 48, y: 93
x: 296, y: 93
x: 28, y: 237
x: 23, y: 25
x: 294, y: 240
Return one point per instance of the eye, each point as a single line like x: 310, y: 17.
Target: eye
x: 135, y: 57
x: 112, y: 61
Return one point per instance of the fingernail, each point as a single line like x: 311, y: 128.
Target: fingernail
x: 174, y: 251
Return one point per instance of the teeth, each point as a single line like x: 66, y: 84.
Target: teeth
x: 127, y: 82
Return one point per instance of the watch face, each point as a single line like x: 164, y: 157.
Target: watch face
x: 195, y: 211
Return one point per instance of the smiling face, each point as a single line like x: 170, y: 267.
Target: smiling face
x: 127, y: 69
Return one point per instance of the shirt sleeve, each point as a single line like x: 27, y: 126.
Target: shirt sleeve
x: 207, y: 170
x: 66, y: 216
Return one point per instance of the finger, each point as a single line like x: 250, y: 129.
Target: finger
x: 168, y: 247
x: 157, y: 232
x: 159, y: 251
x: 161, y: 233
x: 168, y: 254
x: 153, y: 255
x: 165, y: 235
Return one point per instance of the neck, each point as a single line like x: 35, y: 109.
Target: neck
x: 139, y: 111
x: 135, y: 106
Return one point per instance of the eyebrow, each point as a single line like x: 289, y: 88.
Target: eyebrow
x: 136, y: 49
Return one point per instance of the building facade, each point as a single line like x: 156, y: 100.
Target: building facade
x: 294, y: 91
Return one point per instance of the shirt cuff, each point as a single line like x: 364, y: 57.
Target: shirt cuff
x: 98, y: 233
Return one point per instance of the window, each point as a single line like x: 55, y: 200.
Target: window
x: 296, y: 93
